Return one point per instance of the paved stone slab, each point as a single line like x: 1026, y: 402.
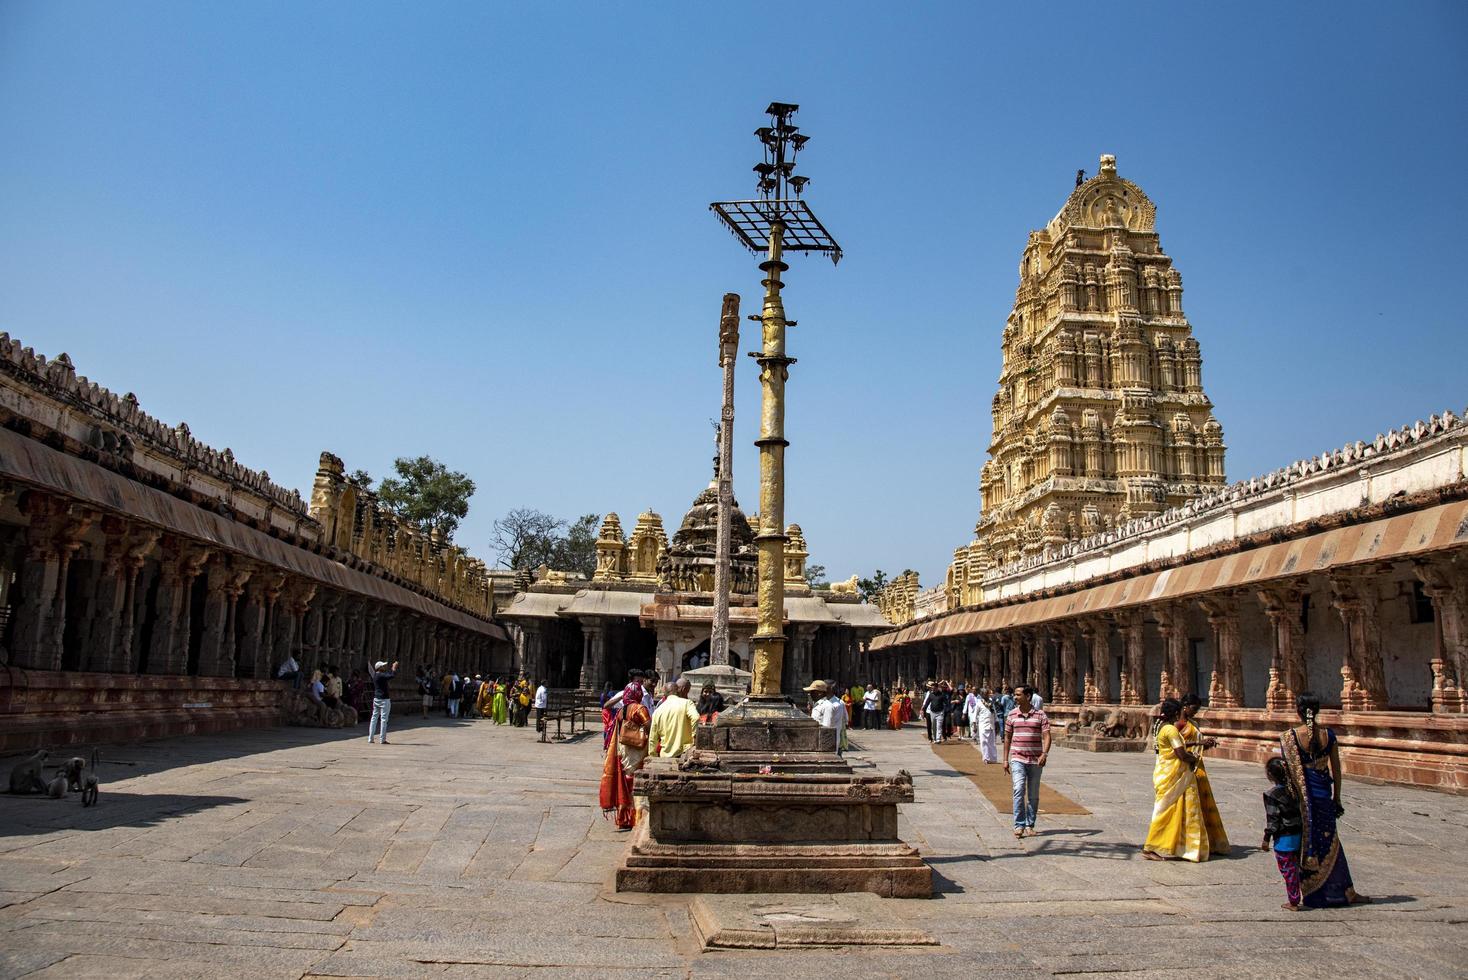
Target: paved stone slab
x: 794, y: 921
x: 467, y: 850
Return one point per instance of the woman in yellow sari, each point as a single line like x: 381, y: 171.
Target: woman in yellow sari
x: 1197, y: 744
x: 1178, y: 829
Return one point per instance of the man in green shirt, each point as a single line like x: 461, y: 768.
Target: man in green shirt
x: 673, y: 723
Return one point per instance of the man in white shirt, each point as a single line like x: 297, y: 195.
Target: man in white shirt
x: 829, y: 710
x: 542, y: 698
x: 871, y: 707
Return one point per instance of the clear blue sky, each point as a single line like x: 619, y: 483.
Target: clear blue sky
x: 480, y: 231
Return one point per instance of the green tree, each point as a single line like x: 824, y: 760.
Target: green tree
x: 427, y: 494
x: 360, y: 478
x: 815, y: 577
x: 869, y: 587
x: 576, y: 550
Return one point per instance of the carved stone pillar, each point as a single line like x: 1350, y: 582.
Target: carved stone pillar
x: 100, y: 646
x: 214, y: 659
x: 270, y: 650
x: 1227, y: 687
x: 336, y: 629
x: 39, y: 585
x: 594, y: 655
x: 168, y: 652
x: 1446, y: 584
x: 1039, y: 677
x: 124, y: 652
x: 1134, y: 661
x: 1097, y: 634
x: 1287, y: 677
x: 1065, y: 687
x: 1172, y: 624
x: 1014, y: 666
x: 995, y: 649
x: 294, y: 601
x: 1363, y: 680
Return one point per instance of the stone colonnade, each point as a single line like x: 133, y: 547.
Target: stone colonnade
x: 102, y: 593
x: 1363, y: 638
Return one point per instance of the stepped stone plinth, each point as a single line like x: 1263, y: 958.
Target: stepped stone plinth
x: 763, y: 804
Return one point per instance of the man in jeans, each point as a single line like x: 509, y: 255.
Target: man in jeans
x: 1026, y: 746
x: 381, y: 697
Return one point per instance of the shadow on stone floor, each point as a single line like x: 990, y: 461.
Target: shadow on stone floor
x: 147, y: 756
x: 28, y: 816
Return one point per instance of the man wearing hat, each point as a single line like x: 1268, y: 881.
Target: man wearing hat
x: 381, y: 697
x: 829, y: 710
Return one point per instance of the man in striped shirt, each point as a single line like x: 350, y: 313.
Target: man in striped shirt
x: 1026, y: 746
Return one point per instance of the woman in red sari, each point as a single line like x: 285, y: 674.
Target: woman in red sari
x: 624, y: 760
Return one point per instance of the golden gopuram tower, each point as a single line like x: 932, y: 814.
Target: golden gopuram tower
x: 1100, y: 415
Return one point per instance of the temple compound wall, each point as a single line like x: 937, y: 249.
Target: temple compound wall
x: 151, y: 585
x: 1345, y: 574
x: 649, y: 604
x: 1112, y: 565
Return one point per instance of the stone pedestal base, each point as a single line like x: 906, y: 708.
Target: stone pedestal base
x: 886, y: 869
x: 763, y: 805
x: 1093, y: 742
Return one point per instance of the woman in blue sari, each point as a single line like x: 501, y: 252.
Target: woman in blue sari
x: 1314, y: 762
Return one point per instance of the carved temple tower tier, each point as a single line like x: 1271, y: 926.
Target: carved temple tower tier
x: 1100, y: 415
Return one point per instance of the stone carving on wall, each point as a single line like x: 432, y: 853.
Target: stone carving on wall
x: 356, y: 524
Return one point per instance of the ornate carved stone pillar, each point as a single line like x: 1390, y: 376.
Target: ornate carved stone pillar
x: 294, y: 602
x: 1134, y: 661
x: 214, y: 659
x: 100, y: 646
x: 1014, y: 665
x: 593, y: 654
x: 183, y: 560
x: 1172, y: 624
x: 995, y: 648
x: 124, y: 653
x: 38, y: 585
x: 1039, y: 677
x: 1446, y: 584
x: 335, y: 608
x: 1227, y: 687
x: 1065, y: 688
x: 1287, y: 664
x: 1097, y: 634
x: 1363, y: 681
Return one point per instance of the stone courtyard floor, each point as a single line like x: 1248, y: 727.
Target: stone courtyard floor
x: 467, y: 850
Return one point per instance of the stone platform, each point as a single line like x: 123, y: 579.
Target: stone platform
x: 795, y: 921
x: 49, y: 709
x: 1092, y: 742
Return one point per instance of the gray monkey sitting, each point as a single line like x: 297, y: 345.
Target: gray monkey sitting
x: 26, y: 777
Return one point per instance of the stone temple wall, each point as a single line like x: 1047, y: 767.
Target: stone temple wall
x: 129, y: 549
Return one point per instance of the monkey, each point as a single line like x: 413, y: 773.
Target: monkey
x: 90, y: 781
x: 56, y: 789
x: 73, y: 769
x: 26, y: 777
